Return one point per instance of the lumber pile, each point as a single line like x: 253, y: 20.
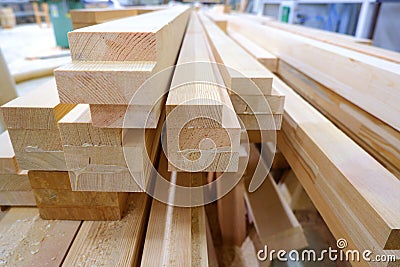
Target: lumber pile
x: 347, y: 103
x: 203, y: 131
x: 15, y: 189
x: 258, y: 106
x: 91, y: 150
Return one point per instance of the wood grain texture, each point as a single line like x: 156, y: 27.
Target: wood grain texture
x: 267, y: 59
x: 100, y: 15
x: 340, y: 168
x: 111, y: 243
x: 374, y: 136
x: 60, y: 202
x: 105, y: 159
x: 27, y: 240
x: 239, y: 68
x: 15, y: 190
x: 346, y: 41
x: 96, y: 82
x: 140, y: 38
x: 274, y: 221
x: 175, y: 235
x: 200, y: 110
x: 39, y: 109
x: 8, y: 163
x: 320, y: 61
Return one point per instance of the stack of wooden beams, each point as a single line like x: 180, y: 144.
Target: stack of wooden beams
x: 99, y: 145
x: 199, y: 110
x: 15, y: 189
x: 32, y: 122
x: 258, y: 105
x: 355, y: 105
x: 330, y: 166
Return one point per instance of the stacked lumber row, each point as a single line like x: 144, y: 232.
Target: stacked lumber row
x: 87, y: 17
x: 32, y: 125
x: 257, y: 104
x: 324, y: 73
x: 32, y: 122
x: 15, y: 189
x: 170, y: 236
x: 330, y: 166
x: 203, y: 132
x: 104, y: 149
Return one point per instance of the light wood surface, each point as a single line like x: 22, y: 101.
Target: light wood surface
x: 27, y: 240
x: 268, y: 60
x: 240, y: 67
x: 111, y: 243
x: 56, y: 200
x: 335, y: 67
x: 341, y: 169
x: 200, y: 110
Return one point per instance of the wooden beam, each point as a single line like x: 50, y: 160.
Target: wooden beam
x: 96, y: 157
x: 100, y: 15
x: 346, y: 41
x: 56, y: 200
x: 138, y: 38
x: 274, y: 221
x: 240, y: 67
x: 86, y: 82
x: 8, y: 163
x: 39, y: 109
x: 173, y: 227
x: 145, y: 39
x: 374, y: 136
x: 111, y: 243
x: 27, y: 240
x: 267, y: 59
x: 32, y: 120
x: 343, y: 173
x: 200, y: 111
x: 336, y: 67
x: 15, y: 190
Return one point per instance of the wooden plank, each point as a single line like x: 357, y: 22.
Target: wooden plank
x: 144, y: 38
x: 240, y: 67
x: 138, y: 38
x: 267, y: 59
x: 173, y: 227
x: 39, y: 109
x: 8, y: 163
x: 346, y: 41
x: 263, y: 122
x: 96, y: 82
x: 97, y: 157
x: 27, y: 240
x: 200, y: 111
x: 100, y: 15
x: 252, y: 104
x: 111, y: 243
x: 337, y: 166
x: 64, y: 204
x: 320, y: 61
x: 274, y: 221
x: 15, y: 190
x: 375, y: 137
